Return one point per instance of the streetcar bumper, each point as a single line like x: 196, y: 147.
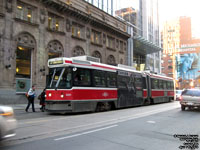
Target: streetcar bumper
x: 58, y: 106
x: 70, y: 106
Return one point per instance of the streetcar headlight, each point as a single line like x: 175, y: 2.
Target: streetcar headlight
x: 50, y: 94
x: 62, y: 96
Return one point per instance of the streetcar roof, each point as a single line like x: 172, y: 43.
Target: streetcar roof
x: 160, y: 76
x: 76, y: 62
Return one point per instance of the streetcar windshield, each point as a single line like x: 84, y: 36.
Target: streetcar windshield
x: 59, y: 78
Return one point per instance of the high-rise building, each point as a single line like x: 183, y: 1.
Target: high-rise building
x: 151, y: 32
x: 143, y: 24
x: 181, y: 53
x: 105, y: 5
x: 171, y: 42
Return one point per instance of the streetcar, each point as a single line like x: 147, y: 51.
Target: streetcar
x: 81, y: 84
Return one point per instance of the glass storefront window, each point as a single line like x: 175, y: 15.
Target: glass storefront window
x: 53, y: 55
x: 23, y: 62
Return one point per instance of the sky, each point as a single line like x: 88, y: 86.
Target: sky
x: 171, y: 9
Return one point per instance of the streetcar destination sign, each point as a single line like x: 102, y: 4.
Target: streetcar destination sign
x: 56, y: 62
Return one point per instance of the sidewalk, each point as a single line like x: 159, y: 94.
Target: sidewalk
x: 22, y: 106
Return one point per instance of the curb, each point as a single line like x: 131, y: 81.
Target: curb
x: 23, y: 106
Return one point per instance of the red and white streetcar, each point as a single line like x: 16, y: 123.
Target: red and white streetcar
x: 78, y: 85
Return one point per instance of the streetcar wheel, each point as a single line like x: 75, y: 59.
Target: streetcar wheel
x: 112, y: 105
x: 146, y: 102
x: 103, y: 106
x: 99, y: 107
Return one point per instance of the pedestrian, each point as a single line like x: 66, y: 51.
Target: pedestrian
x: 41, y: 97
x: 31, y: 96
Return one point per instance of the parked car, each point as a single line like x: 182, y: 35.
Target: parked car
x: 190, y: 98
x: 8, y: 122
x: 178, y: 94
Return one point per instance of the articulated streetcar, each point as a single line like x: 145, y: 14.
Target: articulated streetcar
x: 78, y: 85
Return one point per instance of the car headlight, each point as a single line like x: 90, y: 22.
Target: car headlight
x: 6, y: 114
x: 6, y: 111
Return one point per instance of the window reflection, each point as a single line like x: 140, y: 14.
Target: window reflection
x: 23, y: 62
x: 78, y: 30
x: 55, y: 22
x: 25, y: 12
x: 82, y: 77
x: 53, y: 55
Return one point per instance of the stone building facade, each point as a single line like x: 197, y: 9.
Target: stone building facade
x: 31, y: 32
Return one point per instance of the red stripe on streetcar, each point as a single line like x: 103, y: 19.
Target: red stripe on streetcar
x: 157, y: 93
x: 170, y: 93
x: 105, y: 67
x: 68, y: 61
x: 144, y: 93
x: 81, y: 94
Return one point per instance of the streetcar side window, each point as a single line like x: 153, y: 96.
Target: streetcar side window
x: 81, y: 77
x: 111, y: 79
x: 138, y: 82
x: 154, y: 83
x: 144, y: 82
x: 171, y: 85
x: 122, y: 81
x: 99, y: 78
x: 164, y: 84
x: 161, y: 84
x: 168, y: 85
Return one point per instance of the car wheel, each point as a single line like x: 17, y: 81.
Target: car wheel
x: 182, y: 107
x: 190, y: 108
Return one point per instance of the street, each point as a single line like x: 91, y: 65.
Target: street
x: 153, y: 127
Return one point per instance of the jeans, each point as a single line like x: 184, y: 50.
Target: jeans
x: 30, y: 101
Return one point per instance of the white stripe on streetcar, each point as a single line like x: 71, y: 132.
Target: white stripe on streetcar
x: 85, y: 88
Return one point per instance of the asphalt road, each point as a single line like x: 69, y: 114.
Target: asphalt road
x: 156, y: 127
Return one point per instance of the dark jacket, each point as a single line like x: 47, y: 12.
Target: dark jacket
x: 42, y: 99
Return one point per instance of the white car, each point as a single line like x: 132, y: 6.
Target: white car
x: 8, y: 122
x: 190, y: 98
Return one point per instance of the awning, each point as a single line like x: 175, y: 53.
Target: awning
x: 141, y: 45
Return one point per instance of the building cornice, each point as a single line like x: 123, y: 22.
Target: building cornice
x: 87, y: 14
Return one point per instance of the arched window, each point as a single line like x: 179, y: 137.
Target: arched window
x: 111, y: 60
x: 55, y: 49
x: 25, y: 50
x: 25, y: 44
x: 97, y: 55
x: 78, y: 51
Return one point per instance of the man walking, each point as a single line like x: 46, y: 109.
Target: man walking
x: 31, y: 97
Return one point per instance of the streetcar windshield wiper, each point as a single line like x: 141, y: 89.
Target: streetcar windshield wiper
x: 52, y: 77
x: 59, y: 78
